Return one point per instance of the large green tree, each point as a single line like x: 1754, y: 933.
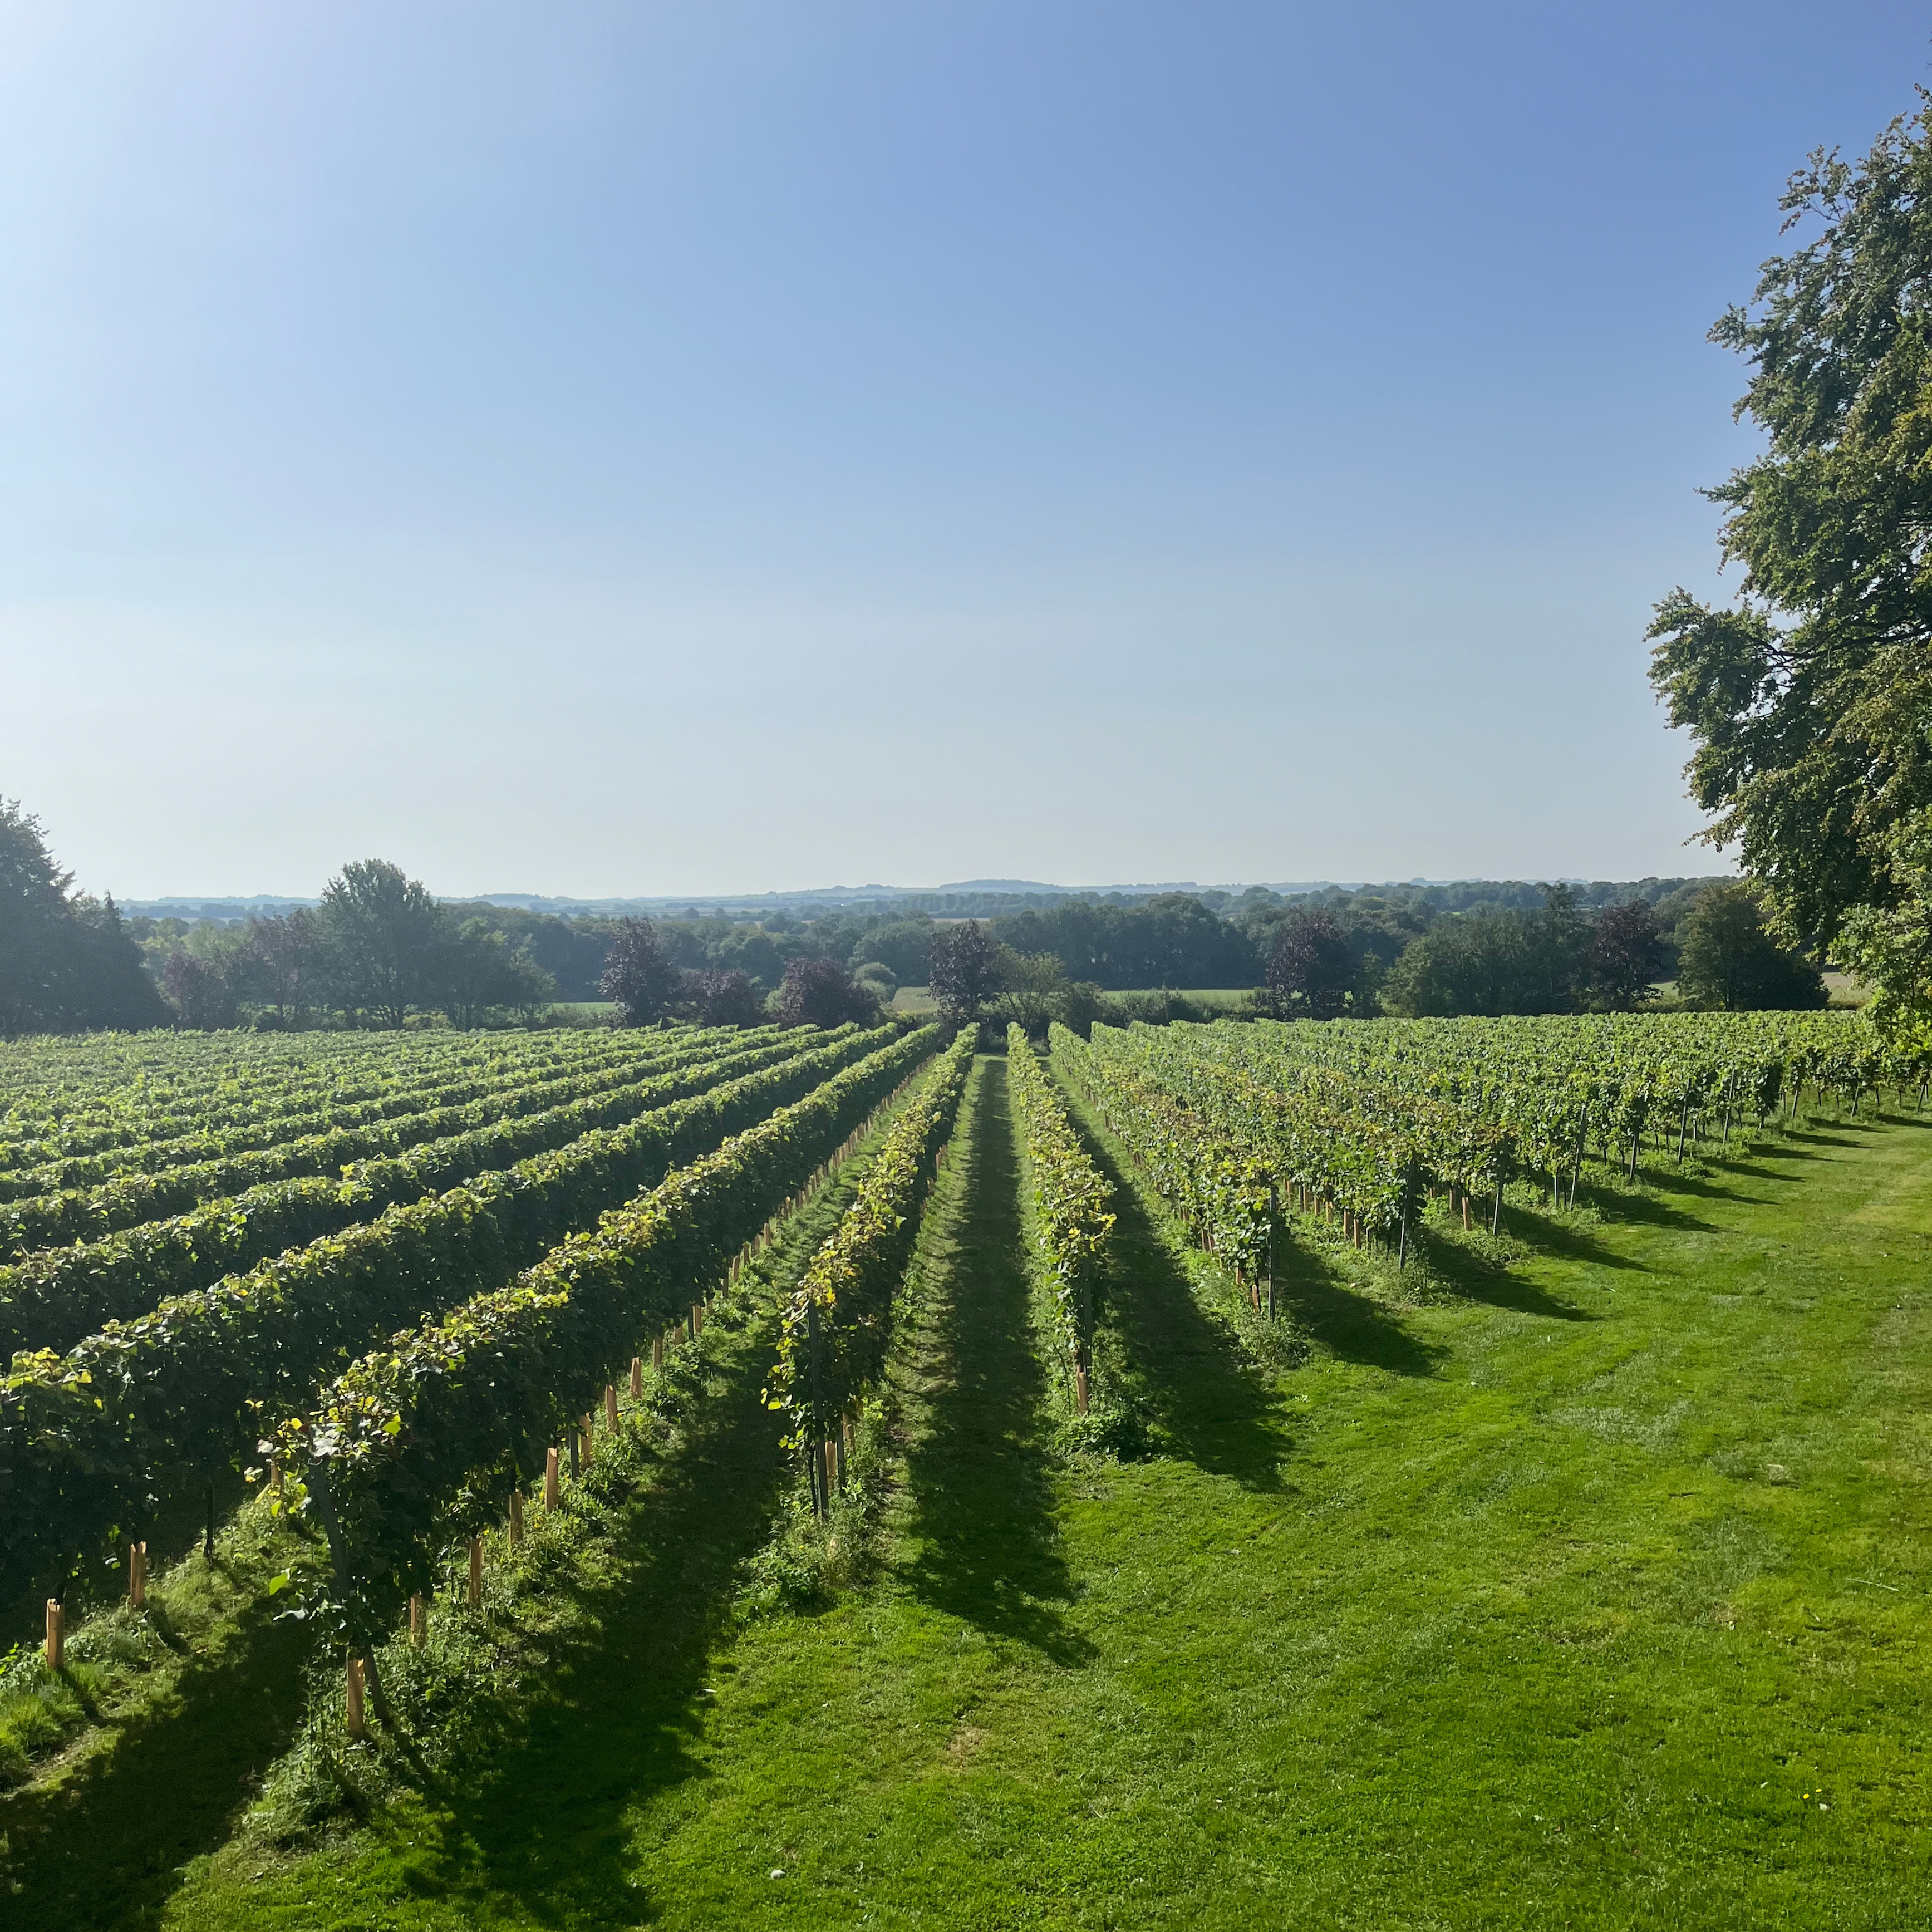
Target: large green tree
x: 1729, y: 959
x: 1809, y: 698
x: 67, y: 962
x: 383, y: 931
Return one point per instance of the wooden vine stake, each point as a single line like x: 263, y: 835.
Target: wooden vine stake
x: 516, y: 1518
x: 56, y: 1634
x: 358, y: 1716
x: 611, y: 1402
x: 419, y: 1621
x: 1274, y: 1216
x: 1080, y: 1387
x: 583, y: 1430
x: 137, y: 1574
x: 657, y: 1353
x: 552, y: 1490
x: 831, y: 1459
x: 637, y: 1378
x: 475, y: 1573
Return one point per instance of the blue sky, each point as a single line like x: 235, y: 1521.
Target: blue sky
x: 637, y: 449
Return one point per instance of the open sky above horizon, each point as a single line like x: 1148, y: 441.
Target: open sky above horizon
x: 638, y: 449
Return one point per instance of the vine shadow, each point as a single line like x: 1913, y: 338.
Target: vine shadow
x: 1352, y: 1326
x: 978, y: 1510
x: 1216, y: 1409
x: 1475, y: 1276
x: 103, y: 1846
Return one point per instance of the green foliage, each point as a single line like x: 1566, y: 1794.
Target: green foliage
x: 1171, y: 939
x: 432, y: 1434
x: 76, y: 1214
x: 1348, y: 1120
x: 66, y: 961
x: 137, y: 1410
x: 50, y: 1298
x: 1728, y: 960
x: 383, y: 930
x: 403, y: 1113
x: 1890, y: 948
x: 1495, y: 963
x: 1809, y: 699
x: 837, y: 1321
x: 1071, y: 1200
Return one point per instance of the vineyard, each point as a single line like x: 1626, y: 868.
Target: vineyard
x: 863, y: 1408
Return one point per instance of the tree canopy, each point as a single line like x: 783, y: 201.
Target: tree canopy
x: 1809, y: 698
x: 1729, y: 960
x: 67, y: 962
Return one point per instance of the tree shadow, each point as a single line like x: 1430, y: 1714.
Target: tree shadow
x: 978, y: 1510
x: 103, y: 1846
x: 1216, y: 1411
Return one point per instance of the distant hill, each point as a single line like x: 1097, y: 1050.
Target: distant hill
x: 964, y: 899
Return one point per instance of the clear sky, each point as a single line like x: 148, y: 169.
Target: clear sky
x: 621, y: 448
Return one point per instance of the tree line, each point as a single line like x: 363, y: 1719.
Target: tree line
x: 379, y: 949
x: 1320, y: 963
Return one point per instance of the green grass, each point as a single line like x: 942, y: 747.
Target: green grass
x: 1581, y: 1581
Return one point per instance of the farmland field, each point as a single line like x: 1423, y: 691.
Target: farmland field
x: 1411, y: 1473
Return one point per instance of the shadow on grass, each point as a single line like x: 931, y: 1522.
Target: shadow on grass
x: 1352, y: 1326
x: 1466, y: 1271
x: 102, y: 1846
x: 1672, y: 1179
x: 1215, y: 1410
x: 979, y: 1491
x: 548, y: 1826
x: 1619, y: 1204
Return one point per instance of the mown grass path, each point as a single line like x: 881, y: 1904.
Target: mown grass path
x: 1590, y: 1593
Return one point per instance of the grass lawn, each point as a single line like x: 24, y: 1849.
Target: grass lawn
x: 1586, y: 1588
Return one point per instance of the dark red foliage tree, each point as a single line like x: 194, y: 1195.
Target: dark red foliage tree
x: 1311, y: 969
x: 637, y: 974
x: 964, y: 974
x: 1626, y: 955
x: 729, y: 999
x: 823, y: 993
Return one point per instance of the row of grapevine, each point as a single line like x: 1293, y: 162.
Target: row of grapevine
x: 137, y: 1411
x: 1220, y: 1189
x: 1073, y: 1216
x: 837, y: 1321
x: 50, y: 1299
x: 84, y: 1214
x: 147, y: 1144
x: 1352, y: 1120
x: 54, y: 1084
x: 434, y: 1433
